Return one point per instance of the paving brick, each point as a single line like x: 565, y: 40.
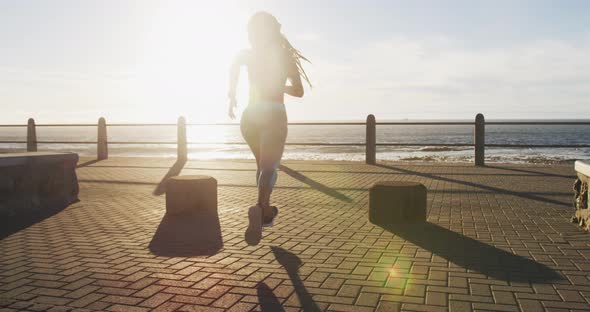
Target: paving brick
x: 367, y: 299
x: 227, y: 300
x: 349, y: 308
x: 148, y: 291
x: 86, y: 300
x: 571, y: 295
x: 423, y: 307
x: 459, y: 306
x: 141, y: 283
x: 156, y: 300
x: 241, y: 307
x: 168, y: 307
x: 504, y: 297
x: 349, y: 291
x: 530, y: 305
x: 387, y: 306
x: 121, y: 299
x: 125, y: 308
x: 495, y: 307
x: 436, y: 298
x: 192, y: 300
x: 52, y: 300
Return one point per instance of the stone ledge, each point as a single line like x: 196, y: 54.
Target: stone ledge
x: 30, y: 182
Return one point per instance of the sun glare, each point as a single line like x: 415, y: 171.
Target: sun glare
x: 186, y: 53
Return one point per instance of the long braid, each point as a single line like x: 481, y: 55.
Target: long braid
x: 297, y: 57
x: 264, y: 20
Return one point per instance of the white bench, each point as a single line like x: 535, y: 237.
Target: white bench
x: 30, y: 182
x: 582, y: 216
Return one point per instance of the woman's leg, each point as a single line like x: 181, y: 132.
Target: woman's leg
x: 251, y: 134
x: 272, y: 145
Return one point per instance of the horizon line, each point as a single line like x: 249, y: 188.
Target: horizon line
x: 314, y: 121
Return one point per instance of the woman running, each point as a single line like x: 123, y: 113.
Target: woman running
x: 271, y: 62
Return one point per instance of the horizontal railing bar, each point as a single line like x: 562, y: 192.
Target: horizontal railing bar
x: 65, y: 125
x: 418, y: 123
x: 66, y: 142
x: 393, y: 123
x: 540, y: 145
x: 288, y: 143
x: 12, y: 142
x: 444, y: 123
x: 144, y: 142
x: 546, y: 123
x: 290, y: 124
x: 141, y: 125
x: 327, y: 144
x: 424, y: 144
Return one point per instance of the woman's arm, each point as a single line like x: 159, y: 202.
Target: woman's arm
x: 234, y: 75
x: 296, y: 87
x: 234, y: 72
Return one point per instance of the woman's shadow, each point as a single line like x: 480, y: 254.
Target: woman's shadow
x: 291, y: 263
x: 474, y: 255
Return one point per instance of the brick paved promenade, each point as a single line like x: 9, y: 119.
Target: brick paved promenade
x: 498, y: 238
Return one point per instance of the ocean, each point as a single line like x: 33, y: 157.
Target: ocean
x: 208, y: 138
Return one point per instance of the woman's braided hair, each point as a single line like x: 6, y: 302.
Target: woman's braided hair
x: 265, y: 20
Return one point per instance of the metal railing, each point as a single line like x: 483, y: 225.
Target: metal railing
x: 370, y: 143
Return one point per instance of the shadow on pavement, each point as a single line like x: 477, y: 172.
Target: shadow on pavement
x: 172, y: 172
x: 473, y: 255
x: 267, y: 299
x: 187, y: 235
x: 88, y: 163
x: 314, y: 184
x: 531, y: 172
x: 22, y: 220
x: 291, y: 263
x: 498, y: 190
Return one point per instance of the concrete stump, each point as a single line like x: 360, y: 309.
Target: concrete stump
x: 191, y: 194
x: 395, y: 202
x: 191, y: 225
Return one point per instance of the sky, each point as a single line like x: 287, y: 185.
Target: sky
x: 152, y: 61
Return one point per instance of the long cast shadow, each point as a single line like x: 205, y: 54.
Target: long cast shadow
x: 476, y: 185
x: 22, y: 220
x: 314, y: 184
x: 88, y: 163
x: 473, y: 255
x: 267, y: 299
x: 186, y: 235
x: 173, y: 171
x: 531, y: 172
x: 291, y: 263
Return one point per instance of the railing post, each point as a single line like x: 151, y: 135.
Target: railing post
x: 480, y: 137
x: 182, y: 150
x: 31, y: 136
x: 371, y: 141
x: 102, y: 148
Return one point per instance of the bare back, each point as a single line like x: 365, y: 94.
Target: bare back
x: 268, y: 72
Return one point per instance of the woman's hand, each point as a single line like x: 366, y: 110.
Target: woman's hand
x: 232, y: 105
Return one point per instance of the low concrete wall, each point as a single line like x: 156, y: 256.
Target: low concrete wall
x: 31, y: 182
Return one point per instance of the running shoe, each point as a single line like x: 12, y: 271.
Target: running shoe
x: 253, y: 233
x: 270, y: 221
